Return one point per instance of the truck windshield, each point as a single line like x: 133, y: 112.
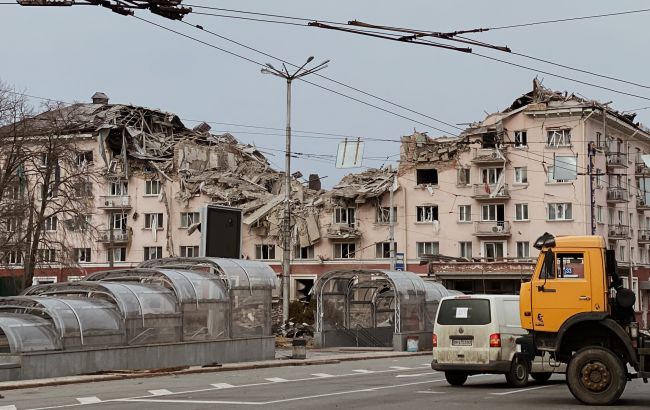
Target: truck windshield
x: 464, y: 312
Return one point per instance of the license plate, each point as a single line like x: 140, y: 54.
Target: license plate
x: 461, y: 342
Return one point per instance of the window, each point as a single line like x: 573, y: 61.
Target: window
x: 493, y: 251
x: 12, y: 224
x: 43, y: 160
x: 621, y: 253
x: 152, y: 187
x: 13, y: 258
x: 383, y: 214
x: 559, y: 212
x: 493, y: 212
x: 523, y: 249
x: 427, y: 248
x: 569, y: 266
x: 345, y: 250
x: 426, y: 213
x: 464, y: 312
x: 265, y: 252
x: 82, y: 254
x: 305, y: 252
x: 153, y: 221
x: 119, y: 254
x: 50, y: 224
x: 152, y: 252
x: 382, y: 250
x: 489, y: 140
x: 118, y: 221
x: 47, y: 255
x: 344, y: 216
x: 521, y: 212
x: 558, y: 138
x: 84, y: 158
x: 599, y: 214
x: 465, y: 250
x: 463, y: 176
x: 189, y: 251
x: 78, y: 223
x: 599, y: 178
x: 464, y: 213
x: 119, y: 188
x: 600, y: 143
x: 83, y: 190
x: 551, y: 180
x: 189, y: 218
x: 48, y: 192
x: 521, y: 139
x: 521, y: 175
x: 490, y: 175
x: 427, y: 176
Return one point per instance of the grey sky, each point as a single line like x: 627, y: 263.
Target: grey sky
x: 69, y: 53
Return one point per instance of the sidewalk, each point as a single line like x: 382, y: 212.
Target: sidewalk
x: 282, y: 359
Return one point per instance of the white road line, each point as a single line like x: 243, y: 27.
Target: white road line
x: 521, y: 390
x: 276, y: 379
x: 415, y: 375
x: 88, y: 400
x: 323, y: 375
x: 222, y: 385
x: 400, y: 368
x: 10, y: 407
x: 363, y: 371
x: 160, y: 392
x: 426, y: 365
x: 430, y: 392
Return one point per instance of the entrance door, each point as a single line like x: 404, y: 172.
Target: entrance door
x: 561, y: 291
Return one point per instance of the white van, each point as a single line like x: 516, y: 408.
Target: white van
x: 476, y: 334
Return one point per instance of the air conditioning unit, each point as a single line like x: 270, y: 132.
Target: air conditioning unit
x: 497, y: 228
x: 107, y: 203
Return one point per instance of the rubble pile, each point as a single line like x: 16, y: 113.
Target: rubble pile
x: 420, y: 148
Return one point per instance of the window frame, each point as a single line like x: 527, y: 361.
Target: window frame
x: 420, y: 213
x: 519, y: 211
x: 522, y: 173
x: 187, y: 216
x: 149, y: 185
x: 422, y: 247
x: 265, y: 252
x: 158, y: 252
x: 464, y: 213
x: 351, y: 250
x: 148, y: 219
x: 567, y: 209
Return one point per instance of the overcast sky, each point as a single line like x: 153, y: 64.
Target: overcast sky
x: 69, y: 53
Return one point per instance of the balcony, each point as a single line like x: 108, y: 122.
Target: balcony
x: 616, y: 160
x: 644, y: 236
x: 642, y: 204
x: 119, y: 236
x: 109, y: 202
x: 618, y: 231
x: 489, y: 192
x: 616, y: 195
x: 641, y: 169
x: 492, y: 228
x: 342, y: 232
x: 487, y: 156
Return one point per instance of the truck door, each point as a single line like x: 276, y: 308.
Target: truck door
x: 560, y: 291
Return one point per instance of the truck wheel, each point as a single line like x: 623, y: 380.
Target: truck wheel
x: 596, y: 376
x: 456, y: 378
x: 541, y: 377
x: 518, y: 374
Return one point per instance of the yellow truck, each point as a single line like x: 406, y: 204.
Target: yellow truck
x: 576, y: 308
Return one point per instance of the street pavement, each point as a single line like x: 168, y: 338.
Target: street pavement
x: 390, y: 383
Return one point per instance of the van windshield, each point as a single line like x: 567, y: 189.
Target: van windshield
x: 464, y: 312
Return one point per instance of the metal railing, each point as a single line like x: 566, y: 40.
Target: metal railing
x: 492, y: 228
x: 490, y: 191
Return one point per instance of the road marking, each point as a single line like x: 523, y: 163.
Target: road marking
x: 521, y: 390
x: 426, y: 365
x: 415, y: 375
x: 10, y: 407
x: 430, y: 392
x: 400, y: 368
x: 276, y: 379
x: 88, y: 400
x: 160, y: 392
x: 363, y: 371
x: 222, y: 385
x: 323, y: 375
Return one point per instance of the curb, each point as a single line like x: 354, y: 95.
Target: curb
x: 228, y: 367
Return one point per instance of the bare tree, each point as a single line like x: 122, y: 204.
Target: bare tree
x: 45, y: 186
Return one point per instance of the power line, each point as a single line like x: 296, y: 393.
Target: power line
x: 536, y: 23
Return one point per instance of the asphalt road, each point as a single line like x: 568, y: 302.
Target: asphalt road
x: 403, y: 383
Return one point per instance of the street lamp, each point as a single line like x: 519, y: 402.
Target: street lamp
x: 286, y: 251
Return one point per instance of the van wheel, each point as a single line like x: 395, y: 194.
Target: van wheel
x: 596, y: 376
x: 518, y: 374
x: 541, y: 377
x: 456, y: 378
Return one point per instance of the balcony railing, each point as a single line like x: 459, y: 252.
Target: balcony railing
x: 641, y: 169
x: 617, y: 195
x: 492, y: 228
x: 114, y: 202
x: 618, y: 231
x: 119, y: 236
x: 488, y: 155
x: 489, y: 191
x: 642, y: 204
x: 644, y: 236
x: 340, y: 231
x: 616, y: 160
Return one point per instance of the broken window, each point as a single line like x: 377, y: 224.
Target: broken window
x: 47, y: 255
x: 152, y: 252
x: 118, y: 221
x: 119, y: 188
x: 84, y: 158
x: 82, y: 254
x: 189, y: 251
x: 83, y: 190
x: 119, y: 254
x: 48, y: 192
x: 427, y: 176
x: 493, y: 250
x: 153, y: 220
x: 383, y: 214
x: 264, y: 252
x: 382, y: 250
x: 426, y: 213
x: 463, y: 177
x: 344, y: 216
x: 427, y: 248
x: 465, y: 250
x: 521, y: 175
x: 78, y: 223
x: 558, y: 138
x: 490, y: 175
x: 551, y: 180
x: 50, y: 223
x: 489, y: 140
x: 464, y: 213
x: 559, y: 211
x: 345, y: 250
x: 189, y: 218
x: 13, y: 258
x: 304, y: 252
x: 43, y: 159
x: 521, y: 139
x: 152, y: 187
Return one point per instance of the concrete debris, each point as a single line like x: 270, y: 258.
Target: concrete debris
x: 419, y: 148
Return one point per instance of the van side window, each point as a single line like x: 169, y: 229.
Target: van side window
x: 570, y: 266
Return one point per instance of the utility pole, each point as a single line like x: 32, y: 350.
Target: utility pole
x: 286, y: 246
x: 391, y: 226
